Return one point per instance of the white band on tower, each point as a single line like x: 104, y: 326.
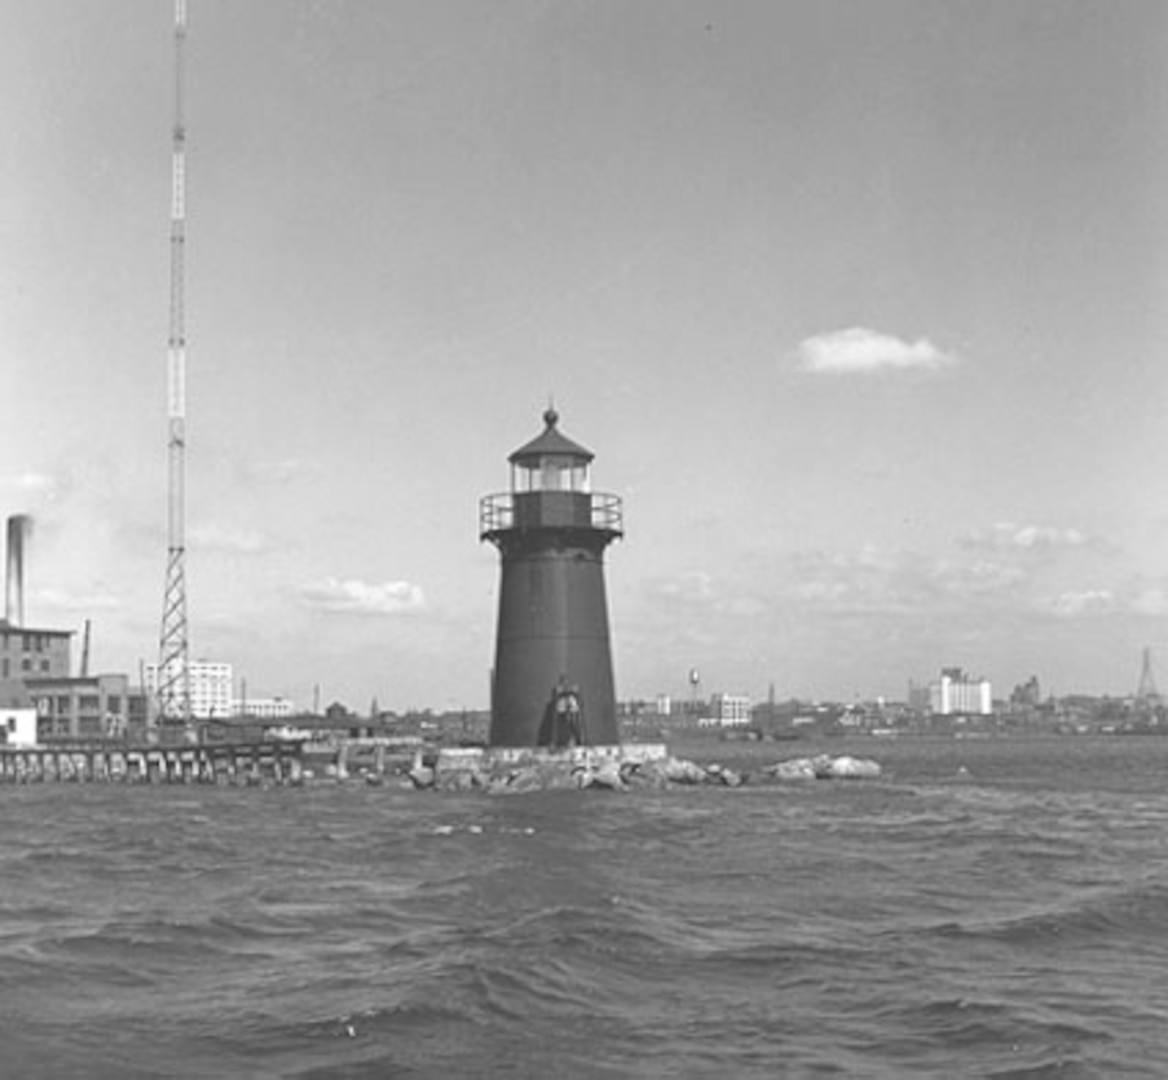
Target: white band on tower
x: 178, y: 208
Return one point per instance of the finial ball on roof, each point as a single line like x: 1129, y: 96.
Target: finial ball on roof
x: 551, y: 417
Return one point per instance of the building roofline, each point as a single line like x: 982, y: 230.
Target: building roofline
x: 24, y: 629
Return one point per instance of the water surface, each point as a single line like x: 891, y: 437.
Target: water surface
x: 989, y: 908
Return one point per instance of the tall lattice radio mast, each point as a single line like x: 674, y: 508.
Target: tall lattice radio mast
x: 174, y: 692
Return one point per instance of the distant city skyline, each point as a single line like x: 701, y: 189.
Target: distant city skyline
x: 859, y: 307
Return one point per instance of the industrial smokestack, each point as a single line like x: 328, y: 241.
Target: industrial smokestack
x: 19, y: 529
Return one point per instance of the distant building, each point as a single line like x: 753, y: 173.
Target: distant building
x: 18, y: 727
x: 729, y: 710
x: 1027, y: 695
x: 918, y: 697
x: 210, y: 687
x: 262, y: 708
x: 25, y: 652
x: 957, y: 693
x: 95, y: 707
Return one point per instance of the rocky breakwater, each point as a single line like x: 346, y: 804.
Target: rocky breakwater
x: 612, y: 768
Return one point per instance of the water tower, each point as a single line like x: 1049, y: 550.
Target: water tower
x: 552, y: 639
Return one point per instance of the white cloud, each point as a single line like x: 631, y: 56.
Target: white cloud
x: 1085, y: 602
x: 1136, y: 597
x: 72, y: 603
x: 1006, y: 536
x: 31, y: 484
x: 980, y: 578
x: 353, y: 597
x: 899, y: 581
x: 861, y: 350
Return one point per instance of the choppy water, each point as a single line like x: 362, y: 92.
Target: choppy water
x: 987, y: 909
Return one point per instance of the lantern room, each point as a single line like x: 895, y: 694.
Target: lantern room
x: 551, y: 486
x: 550, y: 462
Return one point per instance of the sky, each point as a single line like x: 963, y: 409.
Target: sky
x: 860, y: 305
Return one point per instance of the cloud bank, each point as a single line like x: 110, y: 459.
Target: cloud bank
x: 1069, y: 605
x: 1133, y: 598
x: 1007, y: 536
x: 859, y: 350
x: 353, y: 597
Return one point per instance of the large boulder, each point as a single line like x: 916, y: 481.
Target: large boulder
x: 851, y: 768
x: 527, y: 778
x: 719, y: 774
x: 680, y: 771
x: 538, y: 776
x: 460, y: 780
x: 607, y: 775
x: 795, y: 769
x: 643, y: 775
x: 422, y: 776
x: 824, y: 767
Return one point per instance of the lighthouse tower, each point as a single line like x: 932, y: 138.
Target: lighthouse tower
x: 552, y: 683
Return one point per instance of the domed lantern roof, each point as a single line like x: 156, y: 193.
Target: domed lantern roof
x: 550, y: 443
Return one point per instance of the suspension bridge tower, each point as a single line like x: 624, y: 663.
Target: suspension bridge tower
x: 1146, y: 693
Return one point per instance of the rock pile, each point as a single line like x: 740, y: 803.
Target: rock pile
x: 501, y: 777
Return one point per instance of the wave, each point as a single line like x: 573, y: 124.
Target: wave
x: 1126, y: 915
x: 1008, y: 1038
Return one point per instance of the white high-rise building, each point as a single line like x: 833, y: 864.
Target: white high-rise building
x: 210, y: 684
x: 957, y: 693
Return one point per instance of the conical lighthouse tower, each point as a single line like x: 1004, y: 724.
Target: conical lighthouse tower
x: 552, y: 643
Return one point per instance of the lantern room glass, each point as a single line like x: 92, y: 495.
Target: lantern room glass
x: 551, y: 472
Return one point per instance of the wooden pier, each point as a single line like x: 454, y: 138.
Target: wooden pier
x: 238, y: 764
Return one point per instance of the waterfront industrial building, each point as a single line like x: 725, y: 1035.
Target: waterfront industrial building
x: 956, y: 693
x: 85, y: 707
x: 36, y: 673
x: 27, y: 652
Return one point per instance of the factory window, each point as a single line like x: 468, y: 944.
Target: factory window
x: 63, y: 704
x: 45, y: 666
x: 25, y: 642
x: 89, y: 703
x: 113, y: 703
x: 25, y: 664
